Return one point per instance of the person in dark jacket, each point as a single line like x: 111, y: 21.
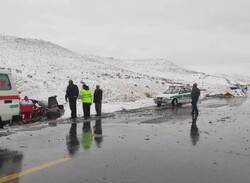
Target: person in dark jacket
x: 195, y: 93
x: 98, y: 100
x: 72, y: 93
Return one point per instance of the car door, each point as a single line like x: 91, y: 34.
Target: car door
x: 187, y: 95
x: 181, y: 96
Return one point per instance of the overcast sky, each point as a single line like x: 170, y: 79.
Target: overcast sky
x: 187, y: 32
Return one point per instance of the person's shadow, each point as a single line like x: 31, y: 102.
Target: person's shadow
x: 72, y: 140
x: 98, y: 132
x: 194, y: 131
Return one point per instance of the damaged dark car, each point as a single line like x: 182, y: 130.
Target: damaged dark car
x: 47, y: 110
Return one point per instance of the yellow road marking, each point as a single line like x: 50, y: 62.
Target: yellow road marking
x: 32, y: 170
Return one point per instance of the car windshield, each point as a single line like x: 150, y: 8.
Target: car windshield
x: 172, y: 90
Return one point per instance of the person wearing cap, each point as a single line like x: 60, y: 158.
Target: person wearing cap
x: 98, y: 100
x: 72, y: 93
x: 195, y: 93
x: 86, y: 97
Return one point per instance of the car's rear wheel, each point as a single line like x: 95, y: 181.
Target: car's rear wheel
x: 174, y: 102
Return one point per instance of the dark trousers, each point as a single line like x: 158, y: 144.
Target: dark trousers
x: 72, y: 106
x: 86, y: 110
x: 98, y: 108
x: 194, y: 107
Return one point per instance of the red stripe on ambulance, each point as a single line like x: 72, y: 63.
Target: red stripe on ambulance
x: 10, y: 97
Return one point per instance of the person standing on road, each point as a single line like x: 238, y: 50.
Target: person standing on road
x: 86, y: 97
x: 26, y: 109
x: 195, y: 93
x: 72, y: 93
x: 98, y: 100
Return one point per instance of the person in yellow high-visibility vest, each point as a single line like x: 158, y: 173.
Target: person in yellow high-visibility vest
x: 86, y: 97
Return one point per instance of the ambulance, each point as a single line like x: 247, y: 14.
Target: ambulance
x: 9, y: 98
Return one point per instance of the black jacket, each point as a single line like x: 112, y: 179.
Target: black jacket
x: 72, y: 91
x: 98, y: 96
x: 195, y: 94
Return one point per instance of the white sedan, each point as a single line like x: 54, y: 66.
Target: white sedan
x: 174, y: 95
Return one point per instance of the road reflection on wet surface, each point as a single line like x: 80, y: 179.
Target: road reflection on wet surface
x: 155, y: 144
x: 194, y: 131
x: 72, y: 140
x: 10, y: 162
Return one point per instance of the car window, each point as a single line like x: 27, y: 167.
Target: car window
x: 169, y: 91
x: 172, y: 90
x: 182, y: 90
x: 4, y: 82
x: 188, y: 90
x: 176, y: 90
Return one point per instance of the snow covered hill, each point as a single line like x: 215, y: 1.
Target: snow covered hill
x: 235, y: 78
x: 167, y: 71
x: 42, y: 69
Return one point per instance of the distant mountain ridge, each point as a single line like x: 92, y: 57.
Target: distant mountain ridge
x: 42, y: 69
x: 167, y: 70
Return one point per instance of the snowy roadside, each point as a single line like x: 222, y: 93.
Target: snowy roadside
x: 110, y: 107
x: 118, y: 106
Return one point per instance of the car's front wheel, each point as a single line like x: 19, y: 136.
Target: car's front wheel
x: 174, y: 102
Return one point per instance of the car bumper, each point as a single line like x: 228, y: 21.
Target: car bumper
x: 162, y: 100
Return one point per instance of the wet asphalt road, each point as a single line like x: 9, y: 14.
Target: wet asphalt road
x: 155, y: 144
